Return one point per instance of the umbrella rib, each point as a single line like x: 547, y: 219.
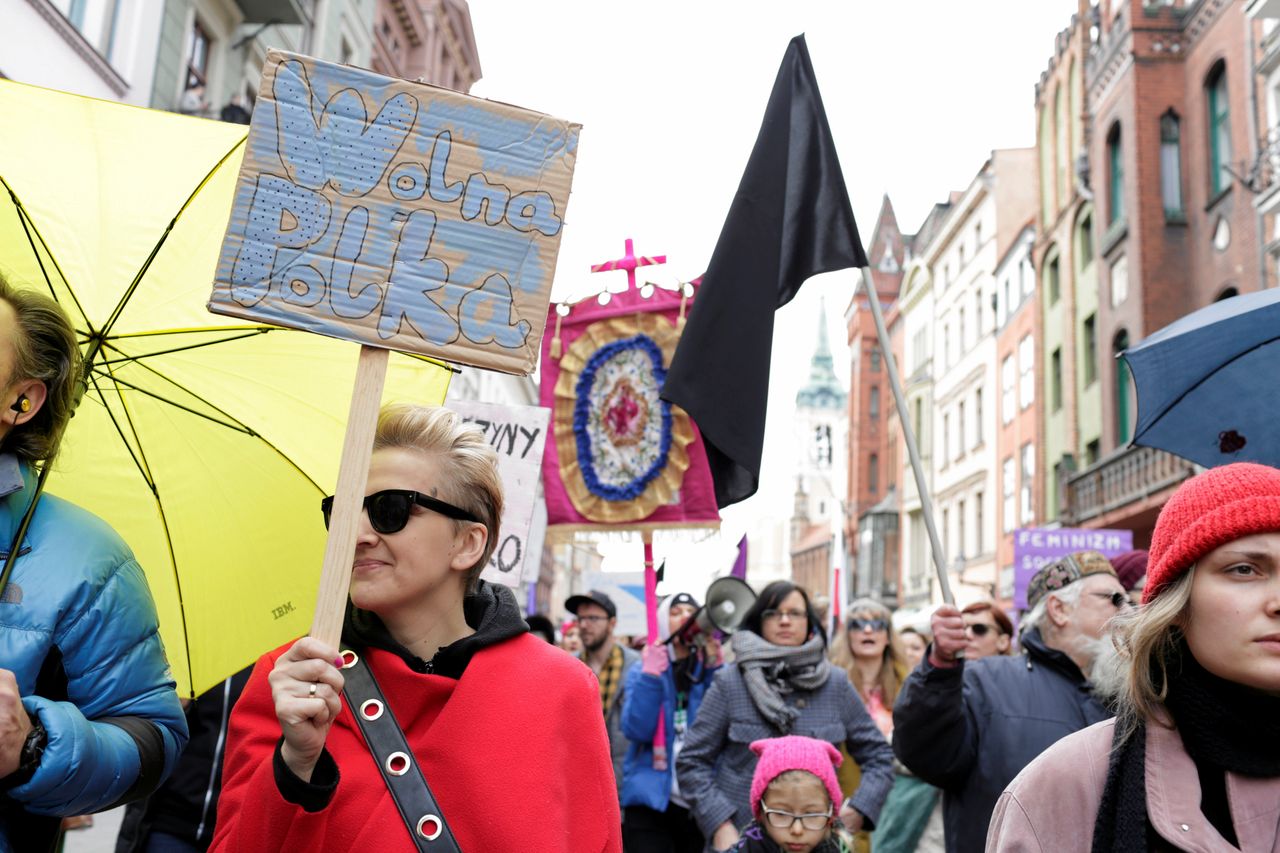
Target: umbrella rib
x: 193, y: 330
x: 155, y: 250
x: 137, y: 358
x: 29, y: 227
x: 164, y: 519
x: 176, y: 404
x: 146, y: 477
x: 237, y: 426
x: 1203, y: 379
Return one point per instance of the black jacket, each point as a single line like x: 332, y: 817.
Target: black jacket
x: 186, y: 805
x: 970, y: 729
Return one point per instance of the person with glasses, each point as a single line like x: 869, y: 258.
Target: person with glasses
x: 780, y: 683
x: 610, y: 660
x: 969, y: 727
x: 505, y: 729
x: 794, y: 798
x: 1191, y: 761
x: 870, y: 654
x: 988, y: 629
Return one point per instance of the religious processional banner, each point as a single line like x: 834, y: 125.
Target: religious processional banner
x: 619, y: 456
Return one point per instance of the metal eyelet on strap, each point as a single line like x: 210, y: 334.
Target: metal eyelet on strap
x: 432, y: 820
x: 349, y: 658
x: 371, y: 709
x: 397, y: 763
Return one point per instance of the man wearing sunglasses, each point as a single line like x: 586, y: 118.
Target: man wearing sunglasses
x: 969, y: 727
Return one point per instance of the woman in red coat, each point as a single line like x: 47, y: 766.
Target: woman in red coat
x: 505, y: 729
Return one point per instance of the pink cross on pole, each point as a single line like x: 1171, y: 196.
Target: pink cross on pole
x: 629, y: 262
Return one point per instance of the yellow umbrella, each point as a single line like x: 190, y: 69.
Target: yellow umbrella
x: 206, y: 442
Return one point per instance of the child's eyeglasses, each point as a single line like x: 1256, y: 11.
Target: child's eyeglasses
x: 785, y: 820
x: 389, y: 509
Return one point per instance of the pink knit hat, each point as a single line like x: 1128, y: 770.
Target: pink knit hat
x: 1211, y: 509
x: 780, y: 754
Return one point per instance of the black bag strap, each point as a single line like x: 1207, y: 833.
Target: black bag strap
x: 400, y: 770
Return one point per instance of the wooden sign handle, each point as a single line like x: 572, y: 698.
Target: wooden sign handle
x: 353, y: 471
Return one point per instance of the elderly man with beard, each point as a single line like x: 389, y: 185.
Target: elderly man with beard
x: 609, y: 660
x: 970, y: 727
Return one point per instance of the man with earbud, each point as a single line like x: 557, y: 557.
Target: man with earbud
x: 88, y: 714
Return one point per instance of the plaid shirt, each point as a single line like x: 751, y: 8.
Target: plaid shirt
x: 716, y: 764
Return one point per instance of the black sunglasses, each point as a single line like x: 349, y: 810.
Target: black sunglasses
x: 979, y: 629
x: 389, y: 509
x: 1118, y: 599
x: 857, y: 624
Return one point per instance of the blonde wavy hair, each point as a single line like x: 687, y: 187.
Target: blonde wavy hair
x: 1147, y: 639
x: 468, y: 469
x: 893, y: 666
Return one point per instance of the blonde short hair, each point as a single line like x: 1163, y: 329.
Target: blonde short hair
x: 468, y: 469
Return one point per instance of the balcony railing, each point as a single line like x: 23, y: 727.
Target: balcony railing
x: 1120, y: 480
x: 1264, y: 175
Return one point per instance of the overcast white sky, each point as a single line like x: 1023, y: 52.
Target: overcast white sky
x: 670, y: 94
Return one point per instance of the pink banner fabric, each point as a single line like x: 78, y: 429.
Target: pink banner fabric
x: 621, y: 446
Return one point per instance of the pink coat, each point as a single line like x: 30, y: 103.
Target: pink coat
x: 1053, y: 803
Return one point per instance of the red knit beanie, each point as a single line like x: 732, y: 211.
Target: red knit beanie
x: 1211, y: 509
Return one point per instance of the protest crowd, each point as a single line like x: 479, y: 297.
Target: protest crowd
x: 1117, y: 726
x: 1118, y: 702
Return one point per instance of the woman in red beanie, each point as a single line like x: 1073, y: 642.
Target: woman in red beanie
x: 1192, y: 760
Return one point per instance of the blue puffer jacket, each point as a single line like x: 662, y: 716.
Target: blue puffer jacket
x: 641, y: 784
x: 77, y: 617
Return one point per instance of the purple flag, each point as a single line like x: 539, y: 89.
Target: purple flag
x: 740, y: 564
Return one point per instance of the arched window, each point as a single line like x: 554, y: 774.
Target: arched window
x: 1226, y: 294
x: 873, y: 407
x: 1215, y: 86
x: 1171, y: 165
x: 1115, y: 176
x: 1084, y: 241
x: 1123, y: 401
x: 1052, y: 277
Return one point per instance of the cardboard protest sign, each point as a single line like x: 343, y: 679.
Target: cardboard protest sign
x: 517, y: 433
x: 397, y: 215
x: 1035, y: 546
x: 627, y: 591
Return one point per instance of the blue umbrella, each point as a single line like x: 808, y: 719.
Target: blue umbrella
x: 1206, y: 383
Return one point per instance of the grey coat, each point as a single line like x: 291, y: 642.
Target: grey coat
x: 613, y: 717
x: 716, y: 763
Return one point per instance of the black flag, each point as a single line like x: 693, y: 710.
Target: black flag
x: 790, y: 220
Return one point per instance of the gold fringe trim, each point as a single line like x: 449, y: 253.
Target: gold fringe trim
x: 663, y: 489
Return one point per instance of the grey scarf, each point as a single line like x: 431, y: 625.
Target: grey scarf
x: 771, y: 672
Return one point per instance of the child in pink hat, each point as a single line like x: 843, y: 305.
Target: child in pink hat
x: 795, y: 797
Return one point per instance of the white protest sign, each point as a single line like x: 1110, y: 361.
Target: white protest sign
x: 518, y: 433
x: 627, y: 591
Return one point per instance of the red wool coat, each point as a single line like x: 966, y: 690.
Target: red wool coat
x: 515, y: 752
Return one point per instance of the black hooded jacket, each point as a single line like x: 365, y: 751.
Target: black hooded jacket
x: 491, y: 611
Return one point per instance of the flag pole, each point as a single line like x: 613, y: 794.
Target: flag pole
x: 908, y: 434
